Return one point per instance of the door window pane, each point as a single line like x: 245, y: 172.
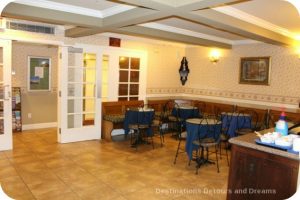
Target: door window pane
x: 1, y: 64
x: 133, y: 98
x: 1, y: 91
x: 75, y: 121
x: 135, y: 63
x: 1, y: 55
x: 89, y: 60
x: 123, y: 98
x: 134, y: 89
x: 89, y: 90
x: 75, y: 90
x: 81, y: 105
x: 89, y: 105
x: 75, y: 75
x: 124, y: 62
x: 123, y: 76
x: 134, y: 76
x: 123, y: 89
x: 89, y: 75
x: 1, y: 125
x: 75, y: 105
x: 89, y: 120
x: 74, y: 60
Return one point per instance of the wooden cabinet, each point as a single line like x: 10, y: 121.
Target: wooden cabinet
x: 259, y: 175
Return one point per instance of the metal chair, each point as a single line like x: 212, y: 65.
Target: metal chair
x: 201, y: 107
x: 224, y: 137
x: 244, y: 127
x: 209, y: 131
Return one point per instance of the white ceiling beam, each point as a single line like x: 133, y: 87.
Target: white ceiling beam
x: 140, y: 15
x: 32, y: 13
x: 155, y: 5
x: 198, y: 5
x: 128, y: 18
x: 169, y: 36
x: 150, y: 10
x: 236, y: 26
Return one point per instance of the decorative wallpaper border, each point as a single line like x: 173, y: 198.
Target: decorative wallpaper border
x: 225, y: 94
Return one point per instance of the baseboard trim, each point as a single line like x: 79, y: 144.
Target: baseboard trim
x: 39, y: 126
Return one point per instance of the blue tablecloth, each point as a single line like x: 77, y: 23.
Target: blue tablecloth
x: 138, y: 117
x: 232, y: 122
x: 204, y: 130
x: 186, y: 112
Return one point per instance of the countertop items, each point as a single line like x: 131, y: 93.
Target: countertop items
x: 248, y: 140
x: 261, y: 172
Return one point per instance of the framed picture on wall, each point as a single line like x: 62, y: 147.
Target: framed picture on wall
x: 255, y: 70
x: 39, y: 73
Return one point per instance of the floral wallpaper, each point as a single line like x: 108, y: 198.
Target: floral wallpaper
x: 221, y: 80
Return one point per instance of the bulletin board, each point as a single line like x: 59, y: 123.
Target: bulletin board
x: 39, y: 72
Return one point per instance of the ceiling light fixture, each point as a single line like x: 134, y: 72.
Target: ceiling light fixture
x: 295, y: 3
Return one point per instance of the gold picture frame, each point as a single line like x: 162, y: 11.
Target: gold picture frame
x: 255, y: 70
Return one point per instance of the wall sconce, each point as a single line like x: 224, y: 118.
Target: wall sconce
x: 13, y: 72
x: 184, y: 70
x: 214, y: 56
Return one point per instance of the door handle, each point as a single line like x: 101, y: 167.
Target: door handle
x: 7, y: 93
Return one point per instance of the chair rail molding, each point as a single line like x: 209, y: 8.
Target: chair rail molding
x: 252, y: 98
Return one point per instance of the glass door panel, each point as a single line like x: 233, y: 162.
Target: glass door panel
x: 5, y: 96
x: 1, y: 92
x: 81, y: 115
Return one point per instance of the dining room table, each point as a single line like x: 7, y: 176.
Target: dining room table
x: 196, y: 127
x: 186, y: 112
x: 140, y: 117
x: 232, y: 121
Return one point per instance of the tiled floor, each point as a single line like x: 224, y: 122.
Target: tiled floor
x: 40, y: 168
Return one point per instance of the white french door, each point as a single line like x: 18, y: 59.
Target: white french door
x: 79, y: 113
x: 125, y: 82
x: 5, y: 96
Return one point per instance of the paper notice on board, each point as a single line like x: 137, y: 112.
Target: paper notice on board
x: 39, y: 71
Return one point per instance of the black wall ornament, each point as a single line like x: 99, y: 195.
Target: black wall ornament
x: 184, y: 70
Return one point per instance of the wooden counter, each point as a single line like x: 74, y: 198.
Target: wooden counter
x: 260, y: 172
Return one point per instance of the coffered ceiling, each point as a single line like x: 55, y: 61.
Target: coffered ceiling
x: 219, y: 23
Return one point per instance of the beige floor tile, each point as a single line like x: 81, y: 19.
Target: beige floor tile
x: 149, y: 193
x: 7, y: 171
x: 25, y: 197
x: 15, y: 187
x: 32, y: 167
x: 59, y: 195
x: 53, y: 163
x: 4, y: 162
x: 41, y: 168
x: 18, y: 152
x: 48, y: 188
x: 23, y: 159
x: 96, y: 192
x: 2, y: 155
